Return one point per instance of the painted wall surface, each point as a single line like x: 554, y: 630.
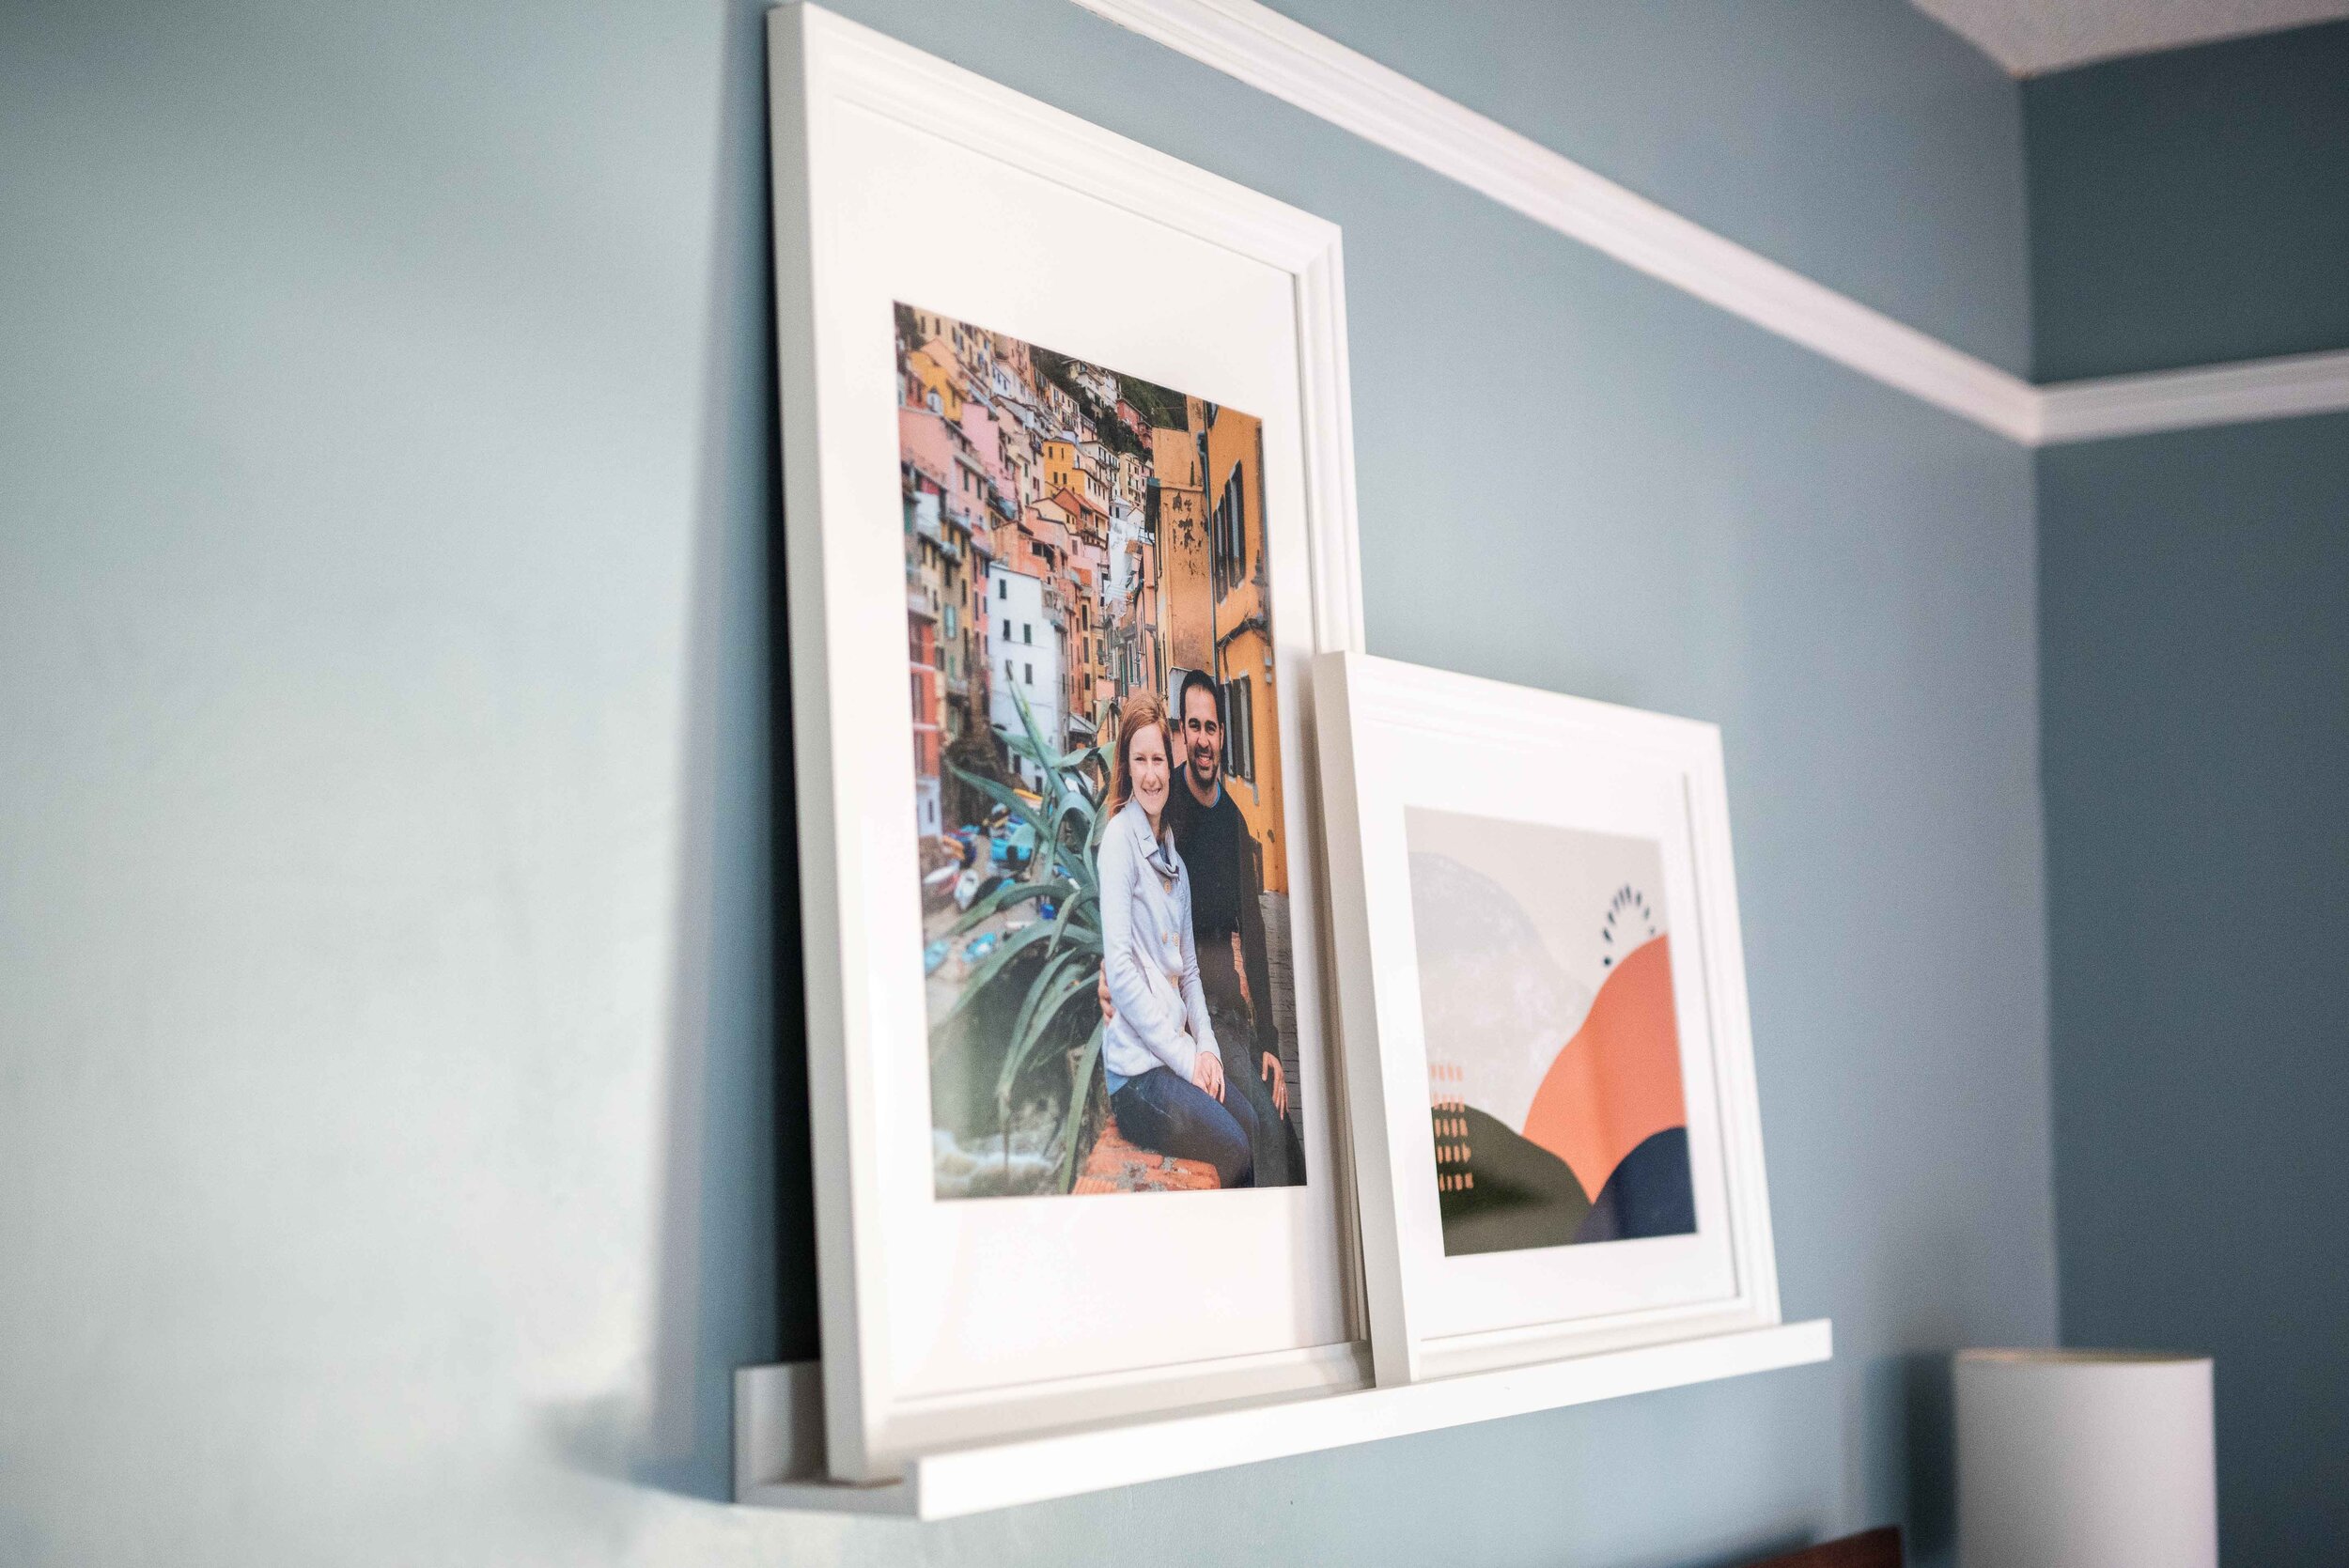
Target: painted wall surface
x: 1865, y: 145
x: 391, y: 1027
x: 2191, y: 207
x: 2194, y: 601
x: 2195, y: 590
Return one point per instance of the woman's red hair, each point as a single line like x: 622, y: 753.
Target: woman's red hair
x: 1140, y: 711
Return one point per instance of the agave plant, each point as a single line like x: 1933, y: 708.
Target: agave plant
x: 1066, y: 820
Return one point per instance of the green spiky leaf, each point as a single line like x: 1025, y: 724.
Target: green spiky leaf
x: 1080, y: 1094
x: 1062, y: 981
x: 1008, y: 895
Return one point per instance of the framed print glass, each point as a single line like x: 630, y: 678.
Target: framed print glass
x: 1122, y: 521
x: 1065, y: 527
x: 1543, y: 993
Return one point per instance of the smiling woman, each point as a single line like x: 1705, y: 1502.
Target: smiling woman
x: 1160, y: 1059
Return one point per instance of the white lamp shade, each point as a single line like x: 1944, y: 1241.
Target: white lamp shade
x: 2085, y: 1459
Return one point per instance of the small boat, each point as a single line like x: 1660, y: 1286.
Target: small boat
x: 933, y: 955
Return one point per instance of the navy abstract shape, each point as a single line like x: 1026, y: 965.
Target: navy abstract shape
x: 1649, y: 1194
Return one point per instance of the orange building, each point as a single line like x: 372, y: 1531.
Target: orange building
x: 933, y: 369
x: 1242, y: 626
x: 1076, y: 467
x: 1174, y: 512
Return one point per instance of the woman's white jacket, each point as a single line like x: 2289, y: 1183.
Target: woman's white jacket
x: 1146, y: 951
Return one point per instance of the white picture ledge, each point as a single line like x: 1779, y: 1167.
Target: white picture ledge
x: 779, y: 1427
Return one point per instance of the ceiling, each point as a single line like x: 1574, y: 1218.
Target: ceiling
x: 2030, y: 36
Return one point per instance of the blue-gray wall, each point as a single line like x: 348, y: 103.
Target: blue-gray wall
x: 388, y: 1014
x: 2195, y: 614
x: 2191, y: 207
x: 2194, y: 609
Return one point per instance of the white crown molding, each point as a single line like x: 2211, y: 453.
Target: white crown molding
x: 1275, y: 55
x: 1292, y: 62
x: 2181, y: 399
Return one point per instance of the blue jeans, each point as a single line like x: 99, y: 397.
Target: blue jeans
x: 1174, y: 1116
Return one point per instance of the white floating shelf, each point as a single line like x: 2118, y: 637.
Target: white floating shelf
x: 779, y: 1427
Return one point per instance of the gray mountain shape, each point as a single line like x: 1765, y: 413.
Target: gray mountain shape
x: 1492, y: 999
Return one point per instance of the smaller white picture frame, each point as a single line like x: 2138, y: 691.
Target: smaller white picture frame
x: 1394, y: 738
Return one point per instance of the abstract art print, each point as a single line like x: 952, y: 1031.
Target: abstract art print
x: 1542, y: 989
x: 1553, y: 1054
x: 1097, y: 775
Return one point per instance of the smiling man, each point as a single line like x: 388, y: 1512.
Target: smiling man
x: 1227, y: 928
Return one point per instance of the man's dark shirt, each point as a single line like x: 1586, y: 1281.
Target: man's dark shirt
x: 1220, y: 854
x: 1213, y: 841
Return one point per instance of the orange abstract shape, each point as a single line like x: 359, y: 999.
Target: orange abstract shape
x: 1617, y: 1083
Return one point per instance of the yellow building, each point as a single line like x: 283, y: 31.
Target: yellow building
x: 1241, y: 626
x: 1071, y: 466
x: 933, y: 366
x: 1176, y: 516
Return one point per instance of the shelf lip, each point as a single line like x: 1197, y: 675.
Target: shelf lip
x: 778, y: 1426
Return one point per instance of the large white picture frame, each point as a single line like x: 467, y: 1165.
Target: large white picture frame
x: 952, y: 1324
x: 1459, y: 802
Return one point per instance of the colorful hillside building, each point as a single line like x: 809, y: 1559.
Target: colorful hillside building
x: 1023, y: 655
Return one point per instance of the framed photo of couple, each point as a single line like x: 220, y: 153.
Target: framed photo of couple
x: 1069, y: 529
x: 1068, y: 512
